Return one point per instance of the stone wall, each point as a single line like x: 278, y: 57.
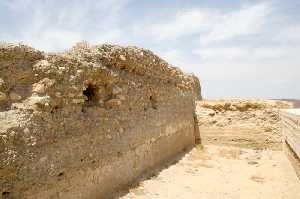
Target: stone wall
x: 250, y: 123
x: 89, y: 121
x: 291, y: 135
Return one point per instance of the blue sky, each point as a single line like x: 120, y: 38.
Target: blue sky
x: 237, y: 48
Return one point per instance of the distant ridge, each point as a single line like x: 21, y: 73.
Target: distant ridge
x: 296, y: 102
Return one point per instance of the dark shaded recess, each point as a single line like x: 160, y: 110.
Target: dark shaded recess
x: 90, y: 92
x: 153, y: 102
x: 5, y: 194
x: 54, y: 109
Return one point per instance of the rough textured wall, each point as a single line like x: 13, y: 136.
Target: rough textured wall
x: 84, y: 123
x: 291, y: 135
x: 250, y: 123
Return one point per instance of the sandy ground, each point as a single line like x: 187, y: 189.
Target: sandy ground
x: 223, y: 172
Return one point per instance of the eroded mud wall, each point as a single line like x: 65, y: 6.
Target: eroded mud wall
x: 84, y: 123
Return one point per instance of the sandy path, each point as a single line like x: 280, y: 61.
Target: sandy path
x: 223, y: 173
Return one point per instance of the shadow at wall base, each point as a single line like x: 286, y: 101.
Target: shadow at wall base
x: 143, y: 159
x: 292, y: 156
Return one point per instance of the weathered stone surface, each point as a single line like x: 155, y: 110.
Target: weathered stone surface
x: 42, y: 86
x: 89, y: 121
x: 13, y: 96
x: 251, y: 123
x: 2, y: 84
x: 3, y: 97
x: 113, y: 103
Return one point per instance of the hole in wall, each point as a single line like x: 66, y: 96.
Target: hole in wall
x: 153, y: 102
x: 5, y: 193
x: 54, y: 109
x: 90, y: 92
x: 119, y: 154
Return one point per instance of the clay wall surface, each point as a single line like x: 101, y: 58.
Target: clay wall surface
x: 89, y: 121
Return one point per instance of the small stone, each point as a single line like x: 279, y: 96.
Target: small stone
x: 211, y: 113
x: 4, y: 137
x: 14, y: 96
x: 61, y: 68
x: 79, y: 72
x: 58, y: 94
x: 78, y: 101
x: 101, y: 102
x: 3, y: 97
x: 109, y: 136
x: 42, y: 85
x: 42, y: 65
x: 113, y: 103
x: 71, y: 95
x: 38, y: 88
x: 121, y: 97
x: 116, y: 90
x: 2, y: 84
x: 26, y: 131
x: 72, y: 78
x: 122, y: 57
x: 34, y: 99
x: 43, y: 159
x: 252, y: 162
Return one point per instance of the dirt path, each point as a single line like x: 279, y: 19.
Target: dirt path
x: 223, y: 172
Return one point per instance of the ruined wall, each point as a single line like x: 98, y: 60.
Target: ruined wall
x: 250, y: 123
x: 291, y: 135
x: 84, y: 123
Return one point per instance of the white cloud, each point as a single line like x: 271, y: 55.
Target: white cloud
x: 290, y: 34
x: 247, y: 54
x: 209, y: 25
x: 52, y: 26
x: 184, y: 23
x: 249, y: 20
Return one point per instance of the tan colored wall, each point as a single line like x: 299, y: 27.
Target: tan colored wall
x: 56, y: 142
x: 250, y: 123
x: 291, y: 135
x: 291, y: 128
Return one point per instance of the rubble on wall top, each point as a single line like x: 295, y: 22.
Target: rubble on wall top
x: 129, y: 58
